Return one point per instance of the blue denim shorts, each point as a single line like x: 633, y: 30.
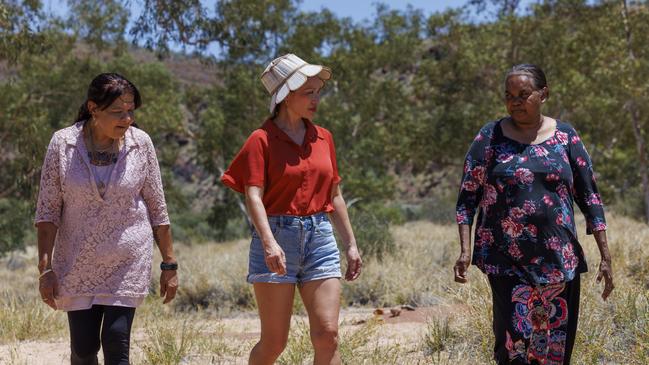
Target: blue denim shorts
x: 309, y: 245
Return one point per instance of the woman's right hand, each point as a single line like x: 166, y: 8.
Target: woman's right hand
x: 48, y: 285
x: 275, y: 258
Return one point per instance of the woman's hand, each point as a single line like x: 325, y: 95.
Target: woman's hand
x: 48, y: 286
x: 606, y: 272
x: 461, y: 267
x: 275, y: 258
x: 354, y: 263
x: 168, y: 285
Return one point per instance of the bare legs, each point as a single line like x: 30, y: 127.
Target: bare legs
x: 275, y: 305
x: 322, y: 302
x: 275, y: 302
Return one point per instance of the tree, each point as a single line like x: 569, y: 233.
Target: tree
x: 636, y: 90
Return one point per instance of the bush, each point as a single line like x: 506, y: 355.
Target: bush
x: 15, y: 219
x: 371, y: 225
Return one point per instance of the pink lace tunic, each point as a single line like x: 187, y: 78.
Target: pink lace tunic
x: 103, y: 248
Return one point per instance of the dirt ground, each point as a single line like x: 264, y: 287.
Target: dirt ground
x: 241, y: 331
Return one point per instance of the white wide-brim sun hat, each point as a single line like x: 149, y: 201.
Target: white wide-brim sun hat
x: 287, y: 73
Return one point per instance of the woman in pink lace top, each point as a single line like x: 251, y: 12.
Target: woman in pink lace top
x: 100, y: 207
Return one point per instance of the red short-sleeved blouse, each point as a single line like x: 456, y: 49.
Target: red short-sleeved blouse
x: 297, y: 180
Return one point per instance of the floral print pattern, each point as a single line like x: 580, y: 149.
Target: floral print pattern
x: 539, y: 318
x: 524, y: 196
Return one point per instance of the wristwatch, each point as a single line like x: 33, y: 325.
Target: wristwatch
x: 168, y: 266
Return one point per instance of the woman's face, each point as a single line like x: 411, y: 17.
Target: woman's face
x: 523, y: 100
x: 113, y: 122
x: 304, y: 101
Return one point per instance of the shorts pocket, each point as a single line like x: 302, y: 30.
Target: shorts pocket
x: 325, y: 228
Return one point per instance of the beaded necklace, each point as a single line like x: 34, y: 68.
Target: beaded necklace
x: 101, y: 157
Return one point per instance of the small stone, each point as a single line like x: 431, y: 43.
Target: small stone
x: 395, y: 312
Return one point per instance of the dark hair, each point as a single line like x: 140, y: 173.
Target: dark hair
x: 104, y: 90
x: 533, y: 71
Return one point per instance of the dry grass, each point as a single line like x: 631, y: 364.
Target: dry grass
x: 213, y: 320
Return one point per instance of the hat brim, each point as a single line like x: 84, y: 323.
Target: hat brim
x: 296, y: 81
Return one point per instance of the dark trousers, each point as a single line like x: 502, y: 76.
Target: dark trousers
x: 534, y: 324
x: 87, y: 333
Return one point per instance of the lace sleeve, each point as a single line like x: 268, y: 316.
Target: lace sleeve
x: 50, y: 195
x: 152, y: 191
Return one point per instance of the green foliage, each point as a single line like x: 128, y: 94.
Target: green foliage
x: 15, y: 218
x: 438, y: 337
x: 169, y: 345
x: 372, y: 228
x: 409, y: 92
x: 24, y: 318
x: 101, y: 24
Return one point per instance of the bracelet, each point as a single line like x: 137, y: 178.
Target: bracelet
x: 168, y: 266
x: 45, y: 272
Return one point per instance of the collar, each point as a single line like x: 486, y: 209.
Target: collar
x: 312, y: 133
x: 75, y: 133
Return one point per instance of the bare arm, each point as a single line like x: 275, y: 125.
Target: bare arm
x: 168, y: 278
x: 46, y: 232
x: 605, y: 265
x: 340, y: 220
x: 162, y: 236
x: 463, y: 262
x: 47, y: 283
x: 273, y: 253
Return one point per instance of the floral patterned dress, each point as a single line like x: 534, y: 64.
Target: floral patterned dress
x: 526, y: 240
x: 525, y: 194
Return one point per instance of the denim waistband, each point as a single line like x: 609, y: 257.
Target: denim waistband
x: 292, y: 220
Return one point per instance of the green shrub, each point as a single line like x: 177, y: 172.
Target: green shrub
x: 371, y: 226
x: 15, y: 218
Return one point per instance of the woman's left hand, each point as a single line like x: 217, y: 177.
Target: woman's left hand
x: 606, y: 272
x: 168, y: 285
x: 354, y: 263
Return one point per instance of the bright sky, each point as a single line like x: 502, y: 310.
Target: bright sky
x: 361, y: 9
x: 358, y: 10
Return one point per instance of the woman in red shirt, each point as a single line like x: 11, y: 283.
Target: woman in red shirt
x: 288, y: 172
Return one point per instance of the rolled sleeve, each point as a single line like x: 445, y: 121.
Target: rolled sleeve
x: 248, y: 168
x: 50, y: 194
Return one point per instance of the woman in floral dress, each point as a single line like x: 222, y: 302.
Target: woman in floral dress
x: 523, y: 173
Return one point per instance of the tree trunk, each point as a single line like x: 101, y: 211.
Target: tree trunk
x: 632, y: 107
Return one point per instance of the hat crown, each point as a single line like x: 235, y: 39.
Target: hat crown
x: 279, y: 70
